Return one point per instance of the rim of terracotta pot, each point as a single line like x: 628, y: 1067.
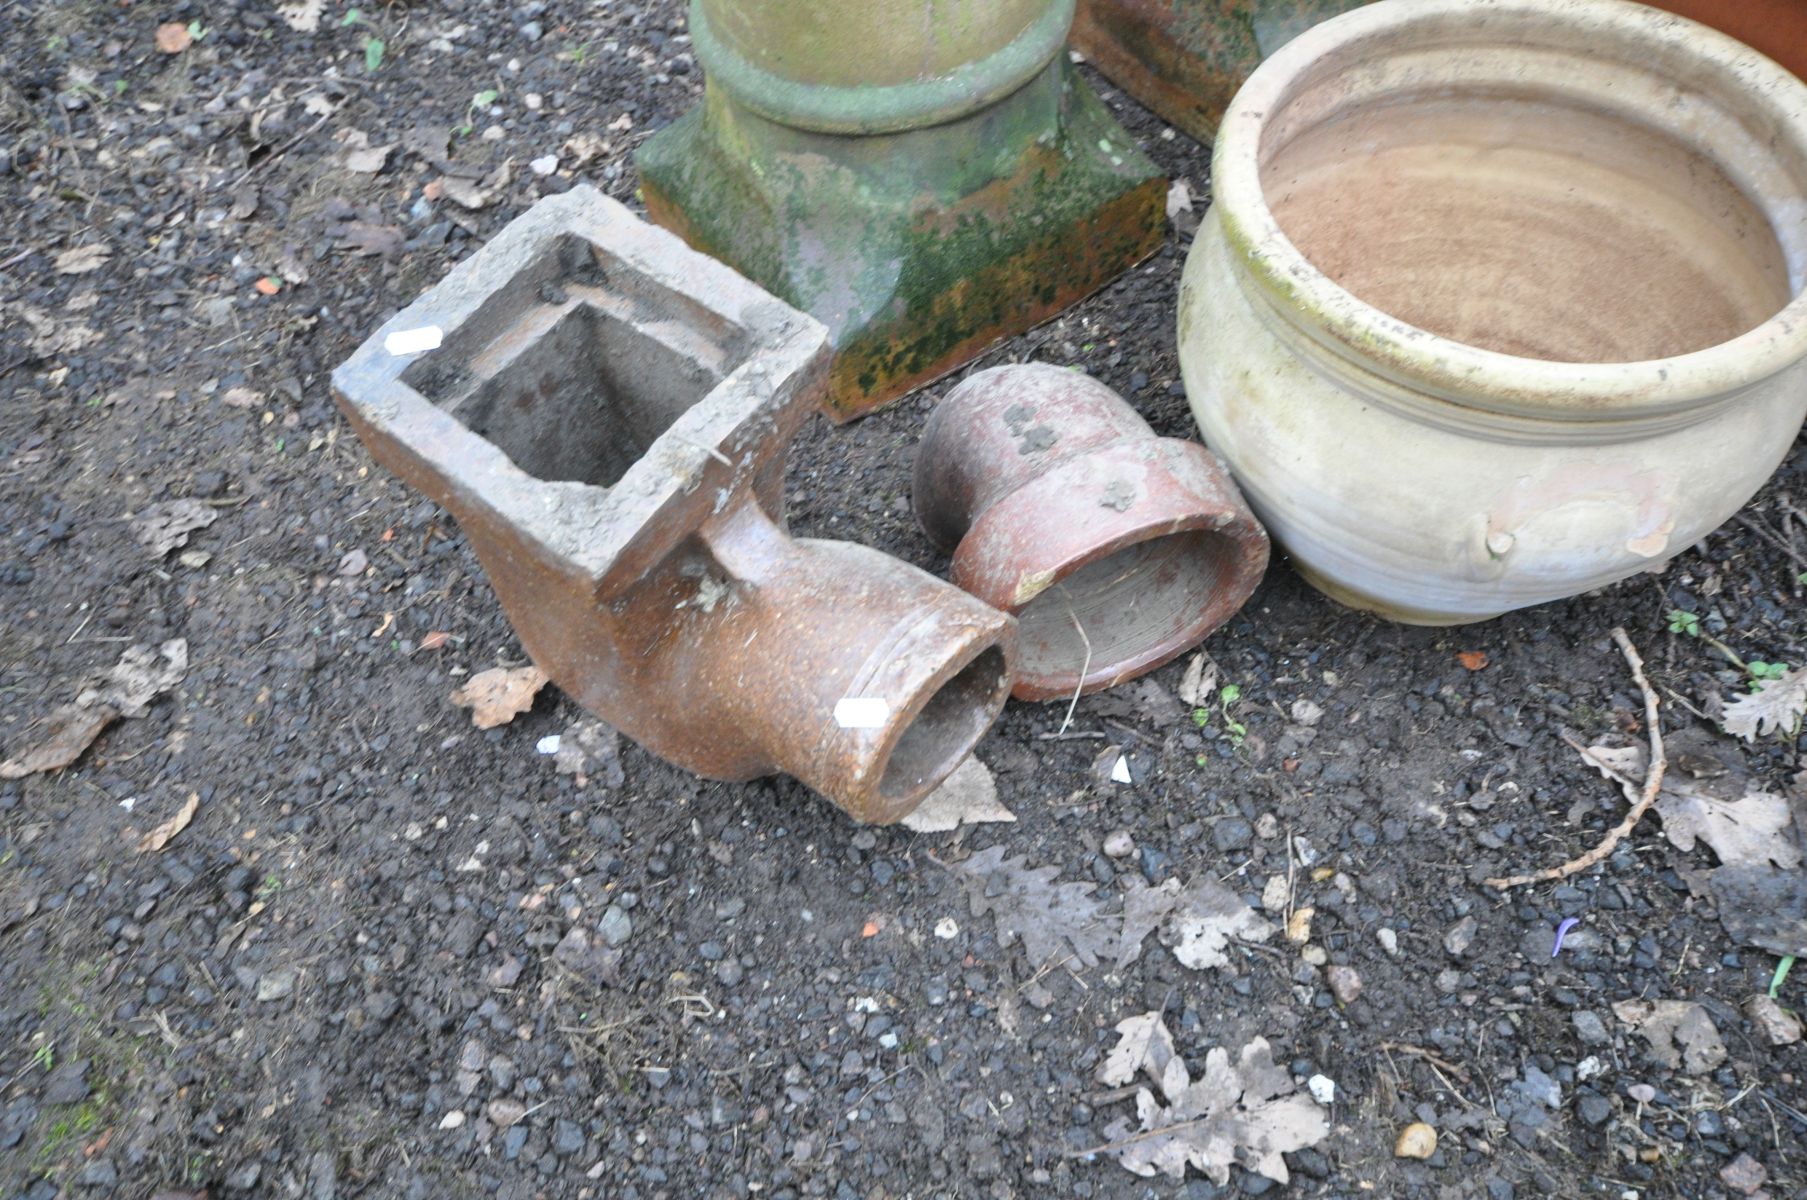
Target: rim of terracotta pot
x: 1466, y: 374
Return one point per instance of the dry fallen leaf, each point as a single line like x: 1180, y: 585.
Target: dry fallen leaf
x: 1776, y: 705
x: 368, y: 238
x: 464, y: 192
x: 70, y: 730
x: 159, y: 837
x: 434, y: 640
x: 302, y: 17
x: 499, y: 695
x: 1205, y: 918
x: 268, y: 286
x: 1248, y: 1114
x: 1680, y: 1033
x: 360, y: 156
x: 1198, y: 687
x: 1179, y: 198
x: 166, y: 526
x: 173, y: 38
x: 1143, y: 1044
x: 1054, y: 921
x: 1751, y: 830
x: 1144, y: 908
x: 139, y: 677
x: 1762, y: 906
x: 80, y: 260
x: 125, y: 690
x: 969, y: 796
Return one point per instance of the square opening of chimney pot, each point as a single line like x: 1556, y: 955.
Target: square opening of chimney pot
x: 576, y: 365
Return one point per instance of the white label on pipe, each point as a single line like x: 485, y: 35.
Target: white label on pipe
x: 414, y: 341
x: 862, y: 712
x: 1120, y: 772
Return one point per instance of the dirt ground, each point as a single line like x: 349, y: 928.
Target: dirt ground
x: 352, y: 973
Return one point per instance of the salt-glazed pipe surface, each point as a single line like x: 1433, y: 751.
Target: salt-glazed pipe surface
x: 1500, y: 301
x: 606, y: 412
x: 923, y: 176
x: 1116, y: 550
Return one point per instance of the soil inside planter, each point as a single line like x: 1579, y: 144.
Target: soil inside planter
x: 1528, y: 227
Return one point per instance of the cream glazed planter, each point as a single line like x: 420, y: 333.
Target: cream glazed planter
x: 1500, y: 301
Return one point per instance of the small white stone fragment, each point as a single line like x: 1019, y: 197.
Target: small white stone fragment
x: 947, y: 928
x: 1589, y: 1068
x: 548, y: 744
x: 451, y: 1120
x: 1120, y: 772
x: 414, y: 341
x: 1323, y: 1089
x: 1389, y: 941
x: 544, y: 166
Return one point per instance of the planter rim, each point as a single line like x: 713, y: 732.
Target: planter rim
x: 1456, y: 371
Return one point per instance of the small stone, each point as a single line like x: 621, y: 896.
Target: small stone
x: 1267, y: 826
x: 947, y: 928
x: 1317, y: 956
x: 1322, y: 1088
x: 544, y: 166
x: 1590, y: 1029
x: 1776, y: 1023
x: 505, y: 975
x: 1416, y: 1140
x: 1306, y: 713
x: 1119, y: 844
x: 1298, y: 926
x: 68, y: 1083
x: 276, y: 985
x: 1275, y: 893
x: 1232, y: 833
x: 1345, y: 984
x: 614, y: 925
x: 451, y: 1120
x: 504, y: 1113
x: 1593, y: 1108
x: 567, y: 1137
x: 1460, y: 936
x: 244, y: 1177
x: 1743, y: 1174
x: 1389, y: 941
x: 100, y: 1173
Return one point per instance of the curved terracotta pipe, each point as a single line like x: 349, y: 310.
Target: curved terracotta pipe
x: 607, y: 418
x: 1115, y: 549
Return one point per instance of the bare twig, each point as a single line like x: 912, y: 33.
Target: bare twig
x: 277, y: 153
x: 1132, y: 1139
x: 1086, y: 666
x: 1653, y: 782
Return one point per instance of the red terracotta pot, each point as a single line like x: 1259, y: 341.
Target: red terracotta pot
x: 1777, y: 28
